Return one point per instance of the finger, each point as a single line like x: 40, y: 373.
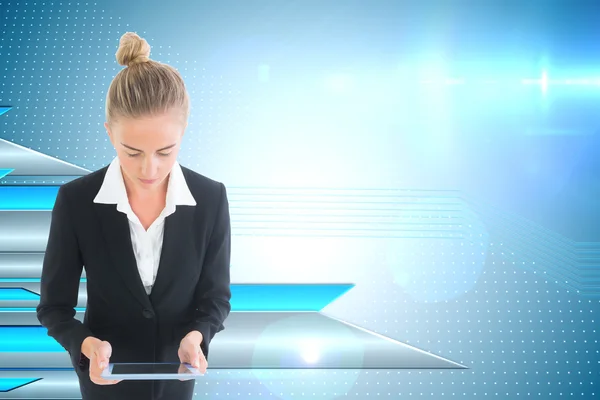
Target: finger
x: 182, y: 370
x: 185, y: 357
x: 104, y: 352
x: 190, y: 357
x: 101, y: 381
x: 106, y: 383
x: 96, y: 376
x: 95, y: 369
x: 97, y: 381
x: 101, y: 360
x: 203, y: 364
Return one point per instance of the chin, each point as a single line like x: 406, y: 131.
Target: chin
x: 149, y: 182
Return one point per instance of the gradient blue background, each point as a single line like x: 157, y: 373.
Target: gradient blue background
x: 480, y: 115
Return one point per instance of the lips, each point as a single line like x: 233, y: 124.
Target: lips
x: 148, y: 181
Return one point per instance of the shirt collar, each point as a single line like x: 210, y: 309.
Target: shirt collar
x: 113, y: 190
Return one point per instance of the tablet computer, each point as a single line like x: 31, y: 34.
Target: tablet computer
x: 150, y: 371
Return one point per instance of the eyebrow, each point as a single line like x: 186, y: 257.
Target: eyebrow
x: 134, y: 149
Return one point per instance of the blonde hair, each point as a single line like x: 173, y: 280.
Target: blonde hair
x: 146, y: 87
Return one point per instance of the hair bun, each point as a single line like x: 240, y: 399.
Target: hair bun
x: 132, y: 50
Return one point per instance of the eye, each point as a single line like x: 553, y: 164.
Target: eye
x: 164, y: 154
x: 133, y: 155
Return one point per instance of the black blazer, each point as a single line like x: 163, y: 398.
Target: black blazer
x: 191, y: 292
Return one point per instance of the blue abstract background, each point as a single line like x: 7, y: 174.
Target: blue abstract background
x: 442, y: 156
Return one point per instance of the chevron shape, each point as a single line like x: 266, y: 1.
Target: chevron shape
x: 244, y: 297
x: 271, y: 340
x: 27, y: 162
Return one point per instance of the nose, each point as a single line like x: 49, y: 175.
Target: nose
x: 149, y: 167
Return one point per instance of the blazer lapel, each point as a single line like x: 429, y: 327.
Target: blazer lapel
x: 115, y: 228
x: 177, y: 243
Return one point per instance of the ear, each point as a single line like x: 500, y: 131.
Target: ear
x: 184, y: 128
x: 110, y: 135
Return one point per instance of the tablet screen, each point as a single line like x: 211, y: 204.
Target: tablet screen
x: 161, y: 368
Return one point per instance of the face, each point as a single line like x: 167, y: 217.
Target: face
x: 147, y: 148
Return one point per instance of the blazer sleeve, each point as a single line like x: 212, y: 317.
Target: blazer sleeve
x: 61, y: 274
x: 213, y: 293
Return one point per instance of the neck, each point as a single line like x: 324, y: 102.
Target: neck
x: 155, y: 194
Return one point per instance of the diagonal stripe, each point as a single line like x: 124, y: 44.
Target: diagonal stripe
x: 260, y: 341
x: 8, y: 384
x: 4, y: 109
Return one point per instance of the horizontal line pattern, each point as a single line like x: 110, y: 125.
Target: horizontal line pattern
x: 411, y: 214
x: 572, y: 265
x: 314, y: 212
x: 346, y: 213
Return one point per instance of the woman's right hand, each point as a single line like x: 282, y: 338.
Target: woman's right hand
x: 99, y: 353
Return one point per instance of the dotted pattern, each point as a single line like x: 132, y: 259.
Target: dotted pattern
x: 58, y: 61
x: 35, y: 180
x: 520, y: 333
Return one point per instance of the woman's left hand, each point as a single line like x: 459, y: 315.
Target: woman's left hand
x: 191, y: 353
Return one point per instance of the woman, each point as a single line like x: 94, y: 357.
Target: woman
x: 153, y: 237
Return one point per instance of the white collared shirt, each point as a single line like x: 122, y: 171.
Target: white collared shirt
x: 147, y: 244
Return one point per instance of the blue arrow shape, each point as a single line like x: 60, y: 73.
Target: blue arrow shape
x: 27, y: 339
x: 4, y: 109
x: 37, y: 198
x: 17, y: 294
x: 244, y: 297
x: 4, y: 172
x: 28, y: 310
x: 8, y: 384
x: 285, y: 297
